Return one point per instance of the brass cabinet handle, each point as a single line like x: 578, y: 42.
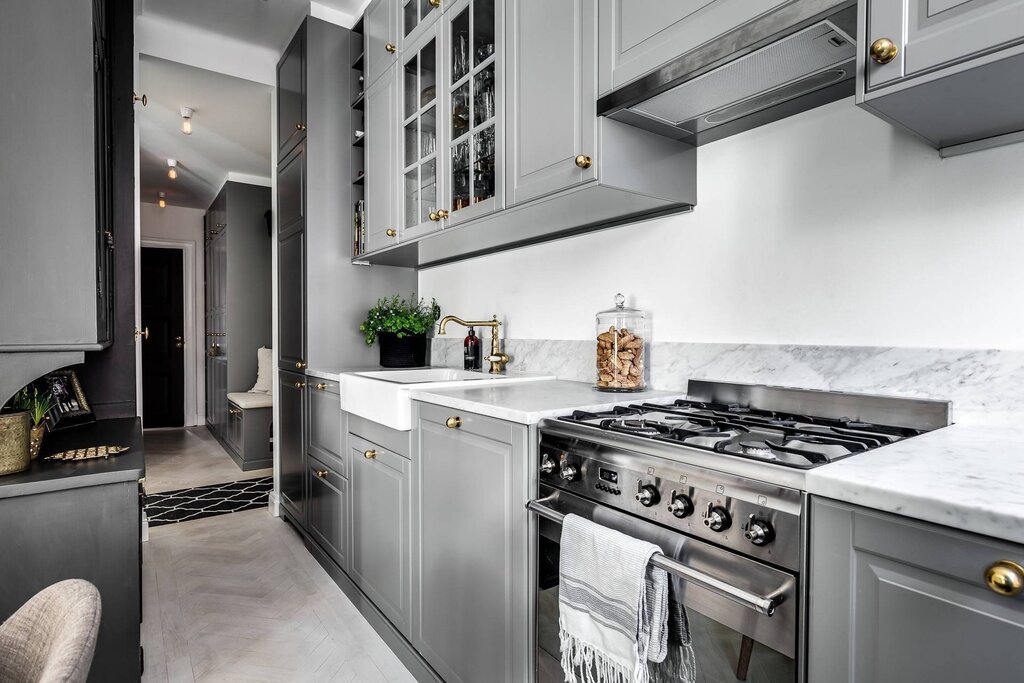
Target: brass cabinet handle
x: 435, y: 3
x: 137, y: 98
x: 438, y: 215
x: 583, y: 161
x: 322, y: 473
x: 391, y: 232
x: 234, y: 411
x: 390, y: 47
x: 320, y: 386
x: 1005, y: 577
x: 300, y: 385
x: 299, y: 365
x: 453, y: 422
x: 144, y: 333
x: 369, y: 455
x: 300, y: 126
x: 884, y: 51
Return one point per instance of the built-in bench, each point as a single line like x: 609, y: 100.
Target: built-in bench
x: 250, y: 415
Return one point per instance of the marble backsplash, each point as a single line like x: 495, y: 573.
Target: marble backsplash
x: 986, y: 386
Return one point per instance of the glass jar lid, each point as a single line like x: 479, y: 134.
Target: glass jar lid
x: 620, y: 308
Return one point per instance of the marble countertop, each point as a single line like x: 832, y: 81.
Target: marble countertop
x: 968, y: 477
x: 530, y: 402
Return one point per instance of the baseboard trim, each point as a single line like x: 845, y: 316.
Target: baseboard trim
x: 391, y: 636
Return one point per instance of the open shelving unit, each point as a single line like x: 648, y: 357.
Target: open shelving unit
x: 358, y: 139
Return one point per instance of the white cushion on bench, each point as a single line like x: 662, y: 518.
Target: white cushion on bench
x: 248, y: 399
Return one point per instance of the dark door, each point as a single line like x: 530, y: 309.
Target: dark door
x: 291, y: 395
x: 291, y: 94
x: 163, y: 353
x: 291, y: 278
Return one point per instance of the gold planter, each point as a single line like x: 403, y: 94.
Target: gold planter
x: 14, y: 442
x: 36, y: 439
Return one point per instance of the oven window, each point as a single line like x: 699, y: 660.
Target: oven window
x: 721, y: 654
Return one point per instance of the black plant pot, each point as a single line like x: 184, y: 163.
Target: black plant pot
x: 409, y: 351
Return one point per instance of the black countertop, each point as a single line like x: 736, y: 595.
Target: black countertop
x: 44, y: 476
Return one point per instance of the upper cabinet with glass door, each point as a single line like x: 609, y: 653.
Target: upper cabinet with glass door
x: 417, y: 18
x: 474, y: 78
x: 419, y: 109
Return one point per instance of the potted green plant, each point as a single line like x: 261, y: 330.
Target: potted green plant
x: 401, y: 326
x: 15, y: 427
x: 38, y: 406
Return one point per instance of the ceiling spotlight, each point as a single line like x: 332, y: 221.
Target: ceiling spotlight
x: 172, y: 170
x: 163, y: 201
x: 186, y: 120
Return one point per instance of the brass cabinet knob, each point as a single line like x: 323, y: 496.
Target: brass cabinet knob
x: 299, y: 365
x: 322, y: 473
x: 140, y: 98
x: 300, y: 385
x: 234, y: 411
x: 391, y: 232
x: 1005, y: 577
x: 300, y: 126
x: 320, y: 386
x: 453, y: 422
x: 144, y: 333
x: 435, y: 3
x: 884, y: 51
x: 390, y: 47
x: 583, y: 161
x: 438, y: 215
x: 369, y: 455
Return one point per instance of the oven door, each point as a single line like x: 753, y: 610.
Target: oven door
x: 731, y: 638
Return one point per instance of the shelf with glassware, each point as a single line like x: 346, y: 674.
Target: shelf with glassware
x: 358, y: 165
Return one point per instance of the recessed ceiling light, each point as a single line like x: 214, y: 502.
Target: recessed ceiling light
x: 172, y: 170
x: 186, y: 120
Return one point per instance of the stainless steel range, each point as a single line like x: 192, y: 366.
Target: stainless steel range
x: 717, y: 480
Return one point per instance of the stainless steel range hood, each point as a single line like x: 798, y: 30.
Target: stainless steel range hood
x: 796, y: 57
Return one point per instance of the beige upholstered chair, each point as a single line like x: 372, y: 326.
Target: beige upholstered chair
x: 51, y: 638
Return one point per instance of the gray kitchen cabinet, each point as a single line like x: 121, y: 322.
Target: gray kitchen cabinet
x: 291, y: 95
x: 291, y: 299
x: 328, y: 519
x: 290, y: 435
x: 637, y: 36
x: 382, y: 223
x: 381, y: 520
x: 325, y: 424
x: 418, y: 16
x: 949, y: 71
x: 380, y: 25
x: 471, y: 609
x: 894, y: 599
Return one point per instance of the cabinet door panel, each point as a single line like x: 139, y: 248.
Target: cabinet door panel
x: 932, y: 34
x: 551, y: 66
x: 637, y: 36
x: 325, y: 424
x: 291, y: 279
x: 291, y: 95
x: 291, y: 192
x: 380, y: 535
x: 381, y: 163
x: 379, y: 25
x: 291, y: 440
x: 328, y: 510
x: 420, y: 160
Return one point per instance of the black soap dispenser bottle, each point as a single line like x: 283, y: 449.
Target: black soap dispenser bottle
x: 471, y: 351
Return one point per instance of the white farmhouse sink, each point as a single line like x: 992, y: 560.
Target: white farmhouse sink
x: 383, y: 395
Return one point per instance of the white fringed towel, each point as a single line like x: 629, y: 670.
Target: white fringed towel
x: 613, y: 606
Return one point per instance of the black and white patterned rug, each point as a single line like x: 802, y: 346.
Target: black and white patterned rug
x: 171, y: 507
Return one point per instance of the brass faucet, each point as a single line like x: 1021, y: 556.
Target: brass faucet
x: 497, y: 359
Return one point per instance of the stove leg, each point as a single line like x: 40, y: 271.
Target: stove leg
x: 746, y: 649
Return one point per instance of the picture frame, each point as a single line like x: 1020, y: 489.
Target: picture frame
x: 71, y: 408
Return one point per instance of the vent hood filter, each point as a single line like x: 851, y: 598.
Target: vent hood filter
x: 804, y: 61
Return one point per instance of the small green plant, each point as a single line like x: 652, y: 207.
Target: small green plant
x: 37, y: 405
x: 401, y: 316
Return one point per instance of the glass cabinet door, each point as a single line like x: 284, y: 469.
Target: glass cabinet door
x: 473, y: 95
x: 419, y: 135
x: 417, y: 16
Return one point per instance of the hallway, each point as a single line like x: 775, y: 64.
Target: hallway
x: 237, y: 597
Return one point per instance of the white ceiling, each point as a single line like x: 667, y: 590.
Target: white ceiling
x: 231, y: 131
x: 265, y: 23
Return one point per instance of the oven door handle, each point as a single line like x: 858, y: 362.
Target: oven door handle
x: 758, y: 603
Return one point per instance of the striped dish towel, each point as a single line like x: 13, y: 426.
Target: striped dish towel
x: 612, y: 605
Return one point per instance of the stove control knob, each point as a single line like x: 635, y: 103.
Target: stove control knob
x: 759, y: 531
x: 547, y: 464
x: 717, y: 518
x: 646, y: 495
x: 681, y: 505
x: 570, y: 473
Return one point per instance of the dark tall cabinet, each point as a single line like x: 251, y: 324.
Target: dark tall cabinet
x: 238, y: 295
x: 322, y: 295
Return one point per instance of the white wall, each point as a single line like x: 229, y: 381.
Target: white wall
x: 183, y: 224
x: 829, y: 228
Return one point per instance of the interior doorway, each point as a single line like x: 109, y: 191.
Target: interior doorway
x: 162, y: 275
